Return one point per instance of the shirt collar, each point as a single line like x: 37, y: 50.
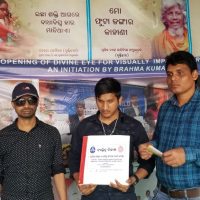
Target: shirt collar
x: 96, y: 116
x: 195, y: 97
x: 38, y: 123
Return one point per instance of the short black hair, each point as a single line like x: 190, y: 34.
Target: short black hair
x: 181, y: 57
x: 108, y: 85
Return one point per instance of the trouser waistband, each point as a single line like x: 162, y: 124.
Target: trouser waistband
x: 180, y: 193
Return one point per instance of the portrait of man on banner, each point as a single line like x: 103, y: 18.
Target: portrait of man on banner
x: 174, y: 36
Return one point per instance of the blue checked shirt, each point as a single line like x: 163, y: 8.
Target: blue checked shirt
x: 179, y: 127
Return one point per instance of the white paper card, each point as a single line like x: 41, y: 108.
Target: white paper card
x: 105, y: 159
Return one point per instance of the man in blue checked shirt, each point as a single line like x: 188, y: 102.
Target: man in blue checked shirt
x: 177, y: 132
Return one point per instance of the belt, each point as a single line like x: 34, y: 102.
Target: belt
x: 178, y: 193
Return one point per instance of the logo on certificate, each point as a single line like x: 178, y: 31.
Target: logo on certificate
x: 92, y: 149
x: 120, y: 149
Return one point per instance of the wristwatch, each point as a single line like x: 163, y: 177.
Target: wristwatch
x: 136, y: 179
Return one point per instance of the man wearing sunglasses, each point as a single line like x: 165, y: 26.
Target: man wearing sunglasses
x: 30, y: 152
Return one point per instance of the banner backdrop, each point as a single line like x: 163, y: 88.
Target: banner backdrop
x: 65, y: 47
x: 93, y: 30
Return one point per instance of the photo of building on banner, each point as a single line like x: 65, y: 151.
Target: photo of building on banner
x: 93, y: 30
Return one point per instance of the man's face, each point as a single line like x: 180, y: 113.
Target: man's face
x: 108, y: 105
x: 134, y: 100
x: 180, y: 79
x: 25, y: 106
x: 174, y: 17
x: 80, y: 110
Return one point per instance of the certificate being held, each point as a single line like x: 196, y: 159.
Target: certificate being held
x: 104, y: 159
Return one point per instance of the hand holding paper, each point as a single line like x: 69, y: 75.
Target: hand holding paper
x: 155, y: 151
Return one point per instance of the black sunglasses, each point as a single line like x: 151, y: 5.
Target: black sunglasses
x: 22, y: 101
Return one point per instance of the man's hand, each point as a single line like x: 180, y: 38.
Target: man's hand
x: 174, y: 157
x: 144, y: 152
x: 121, y: 187
x: 86, y: 189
